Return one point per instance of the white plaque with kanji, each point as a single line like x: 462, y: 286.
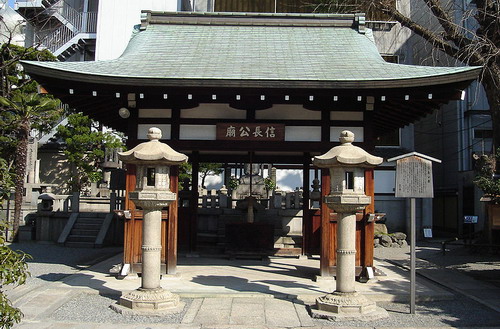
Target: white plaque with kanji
x: 414, y: 178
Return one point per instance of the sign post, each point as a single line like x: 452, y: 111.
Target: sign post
x: 413, y: 180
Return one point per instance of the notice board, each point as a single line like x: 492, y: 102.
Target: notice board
x: 414, y: 178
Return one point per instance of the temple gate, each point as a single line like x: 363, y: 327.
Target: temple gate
x: 253, y: 88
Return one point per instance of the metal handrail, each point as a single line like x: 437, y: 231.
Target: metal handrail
x: 57, y: 38
x: 67, y: 12
x: 81, y: 22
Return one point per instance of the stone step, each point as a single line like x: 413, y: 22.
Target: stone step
x: 75, y: 244
x: 85, y: 219
x: 100, y: 215
x: 285, y: 246
x: 81, y: 238
x: 87, y: 226
x: 287, y: 251
x: 85, y: 232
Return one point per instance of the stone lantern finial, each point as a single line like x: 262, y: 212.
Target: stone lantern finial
x: 346, y: 137
x: 154, y: 134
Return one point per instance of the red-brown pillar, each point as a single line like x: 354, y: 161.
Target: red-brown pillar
x: 171, y: 243
x: 306, y: 218
x: 327, y: 257
x: 128, y: 247
x: 369, y: 227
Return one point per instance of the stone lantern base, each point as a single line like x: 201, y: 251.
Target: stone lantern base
x: 149, y: 302
x: 341, y: 306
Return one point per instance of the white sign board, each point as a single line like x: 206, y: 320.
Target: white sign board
x: 414, y: 178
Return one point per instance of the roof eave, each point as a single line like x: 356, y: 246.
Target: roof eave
x: 470, y: 74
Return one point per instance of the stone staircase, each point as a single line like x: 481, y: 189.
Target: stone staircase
x: 86, y: 230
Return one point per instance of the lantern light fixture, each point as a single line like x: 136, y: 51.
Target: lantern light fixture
x: 124, y: 112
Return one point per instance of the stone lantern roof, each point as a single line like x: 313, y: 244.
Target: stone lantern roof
x: 346, y: 154
x: 153, y: 152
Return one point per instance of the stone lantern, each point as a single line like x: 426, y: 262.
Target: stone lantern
x: 47, y: 198
x: 152, y: 193
x: 347, y: 196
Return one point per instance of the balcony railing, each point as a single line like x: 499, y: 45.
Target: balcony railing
x: 73, y: 23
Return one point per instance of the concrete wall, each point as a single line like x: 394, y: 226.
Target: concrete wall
x: 395, y: 210
x: 54, y: 169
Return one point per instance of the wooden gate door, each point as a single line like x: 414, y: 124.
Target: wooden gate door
x: 312, y: 232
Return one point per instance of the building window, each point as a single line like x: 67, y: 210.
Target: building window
x: 150, y: 177
x: 349, y: 180
x: 301, y: 6
x: 391, y: 58
x: 483, y: 133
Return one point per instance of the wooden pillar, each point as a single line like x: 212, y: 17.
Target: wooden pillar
x: 327, y: 257
x: 171, y: 243
x: 369, y: 227
x: 193, y: 203
x: 305, y: 202
x: 128, y: 255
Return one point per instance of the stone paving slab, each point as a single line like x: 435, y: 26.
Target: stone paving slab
x: 71, y: 325
x: 280, y: 301
x: 280, y: 278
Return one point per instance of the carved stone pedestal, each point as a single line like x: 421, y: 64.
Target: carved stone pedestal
x: 149, y: 302
x: 340, y: 306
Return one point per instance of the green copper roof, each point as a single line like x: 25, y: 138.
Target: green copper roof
x: 252, y: 51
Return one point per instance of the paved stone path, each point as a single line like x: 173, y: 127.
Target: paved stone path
x: 264, y: 295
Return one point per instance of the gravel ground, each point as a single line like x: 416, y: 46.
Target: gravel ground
x: 87, y: 308
x: 460, y: 312
x: 51, y: 262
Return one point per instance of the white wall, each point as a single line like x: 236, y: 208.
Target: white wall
x: 116, y: 20
x: 11, y: 25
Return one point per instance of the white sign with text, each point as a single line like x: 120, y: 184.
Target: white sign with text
x: 414, y: 178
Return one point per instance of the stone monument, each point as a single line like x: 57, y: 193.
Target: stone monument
x: 347, y: 196
x: 153, y: 160
x: 252, y: 183
x: 250, y: 188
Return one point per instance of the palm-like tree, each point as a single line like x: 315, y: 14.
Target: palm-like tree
x: 25, y: 111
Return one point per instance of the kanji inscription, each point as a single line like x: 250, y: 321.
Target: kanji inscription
x: 414, y: 178
x: 251, y: 131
